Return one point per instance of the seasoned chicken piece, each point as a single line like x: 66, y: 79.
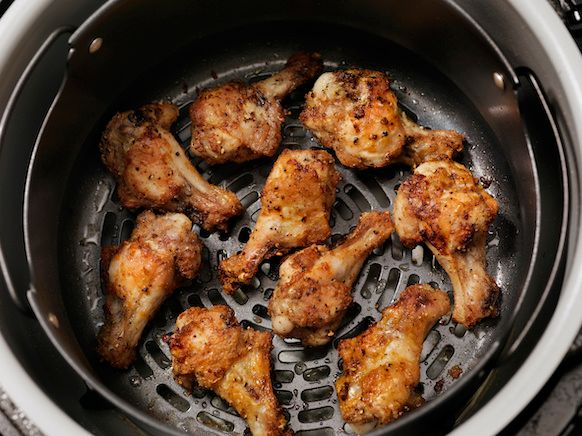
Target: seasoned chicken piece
x: 314, y: 289
x: 153, y: 170
x: 355, y: 113
x: 382, y: 365
x: 161, y: 254
x: 236, y: 122
x: 443, y: 205
x: 424, y: 145
x: 210, y: 347
x: 296, y: 204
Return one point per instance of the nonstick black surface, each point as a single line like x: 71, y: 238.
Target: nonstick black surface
x: 303, y: 379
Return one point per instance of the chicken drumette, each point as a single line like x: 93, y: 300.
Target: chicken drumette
x: 355, y: 113
x: 314, y: 290
x: 236, y: 122
x: 382, y: 365
x: 210, y: 347
x: 443, y: 205
x: 160, y: 255
x: 153, y: 170
x: 296, y: 204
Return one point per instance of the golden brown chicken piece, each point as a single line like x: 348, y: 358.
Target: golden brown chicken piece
x: 210, y: 347
x: 424, y: 145
x: 236, y: 122
x: 139, y: 275
x: 314, y: 289
x: 443, y: 205
x: 153, y: 170
x: 296, y: 204
x: 355, y: 113
x: 382, y: 365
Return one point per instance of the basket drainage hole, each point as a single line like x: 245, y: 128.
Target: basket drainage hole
x: 214, y: 422
x: 371, y: 284
x: 175, y: 400
x: 389, y: 290
x: 343, y: 210
x: 142, y: 368
x: 126, y: 229
x: 413, y: 279
x: 316, y: 374
x: 376, y: 191
x: 195, y: 301
x: 437, y: 366
x: 317, y: 394
x: 284, y: 397
x: 357, y: 330
x: 244, y: 234
x: 357, y: 197
x: 326, y: 431
x: 316, y: 415
x: 159, y: 357
x: 430, y: 344
x: 220, y: 404
x: 293, y: 356
x: 283, y: 376
x: 215, y: 298
x: 262, y: 311
x: 108, y: 230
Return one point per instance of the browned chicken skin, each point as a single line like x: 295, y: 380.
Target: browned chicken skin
x: 296, y: 203
x: 442, y: 205
x: 210, y: 347
x: 355, y: 113
x: 314, y: 289
x: 236, y: 122
x: 153, y: 170
x: 382, y: 365
x: 139, y: 275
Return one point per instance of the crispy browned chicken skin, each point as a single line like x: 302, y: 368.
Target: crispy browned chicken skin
x: 153, y: 170
x: 355, y: 113
x: 315, y: 288
x: 139, y: 275
x: 210, y: 347
x: 236, y: 122
x: 443, y: 205
x: 382, y: 365
x: 296, y: 204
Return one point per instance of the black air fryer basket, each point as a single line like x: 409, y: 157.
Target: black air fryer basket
x: 447, y: 74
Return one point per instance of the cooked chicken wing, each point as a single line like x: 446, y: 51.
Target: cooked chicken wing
x: 443, y: 205
x: 314, y: 289
x: 424, y: 145
x: 382, y: 365
x: 236, y: 122
x: 139, y: 275
x: 153, y: 170
x: 210, y: 347
x: 296, y: 204
x: 355, y: 113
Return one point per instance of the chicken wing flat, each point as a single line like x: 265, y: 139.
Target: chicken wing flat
x: 139, y: 275
x: 382, y: 365
x: 296, y: 203
x: 153, y: 170
x: 236, y: 122
x: 315, y: 286
x: 355, y: 113
x: 443, y: 205
x: 210, y: 347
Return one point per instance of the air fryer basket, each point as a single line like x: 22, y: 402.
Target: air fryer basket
x: 71, y: 209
